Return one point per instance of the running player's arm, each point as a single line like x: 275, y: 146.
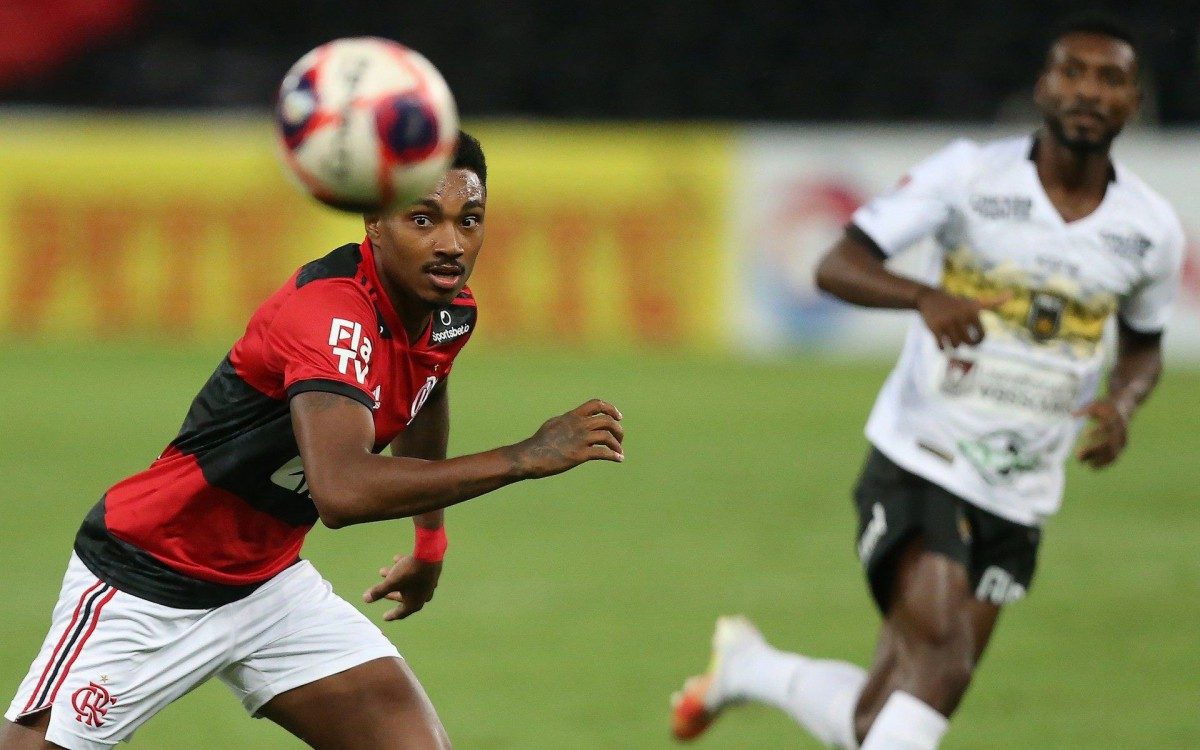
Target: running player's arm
x: 917, y: 207
x: 349, y: 484
x: 1133, y: 377
x: 854, y: 270
x: 1141, y: 318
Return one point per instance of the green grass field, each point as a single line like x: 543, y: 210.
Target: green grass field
x: 570, y: 608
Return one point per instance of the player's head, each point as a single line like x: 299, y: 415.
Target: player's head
x: 425, y: 252
x: 1088, y: 88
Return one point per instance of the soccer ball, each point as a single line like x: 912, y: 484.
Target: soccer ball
x: 366, y: 124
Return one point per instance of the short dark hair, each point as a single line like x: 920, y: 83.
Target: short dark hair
x: 469, y: 155
x: 1098, y: 22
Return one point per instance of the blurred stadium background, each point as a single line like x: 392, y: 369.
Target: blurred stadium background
x: 664, y: 175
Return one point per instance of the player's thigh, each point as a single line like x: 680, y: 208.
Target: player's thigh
x: 932, y: 601
x: 890, y: 505
x: 29, y: 734
x: 374, y: 706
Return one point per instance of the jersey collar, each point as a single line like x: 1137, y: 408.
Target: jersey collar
x: 383, y: 304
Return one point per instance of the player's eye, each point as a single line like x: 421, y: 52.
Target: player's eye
x: 422, y: 220
x: 470, y: 222
x: 1113, y: 78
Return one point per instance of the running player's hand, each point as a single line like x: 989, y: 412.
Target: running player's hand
x: 589, y: 432
x: 410, y: 582
x: 1105, y: 438
x: 955, y: 320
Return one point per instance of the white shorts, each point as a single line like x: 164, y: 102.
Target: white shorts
x: 112, y: 660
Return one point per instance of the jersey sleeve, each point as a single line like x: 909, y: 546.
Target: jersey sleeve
x: 1148, y: 308
x: 322, y: 339
x: 920, y: 203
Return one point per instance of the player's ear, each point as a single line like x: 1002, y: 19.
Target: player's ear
x: 371, y: 224
x: 1039, y: 88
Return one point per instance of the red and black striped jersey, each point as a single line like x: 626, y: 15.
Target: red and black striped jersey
x: 225, y: 507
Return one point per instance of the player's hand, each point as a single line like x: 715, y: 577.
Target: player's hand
x: 1107, y: 434
x: 589, y: 432
x: 955, y: 320
x: 410, y: 582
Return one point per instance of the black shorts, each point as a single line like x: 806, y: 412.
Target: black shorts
x: 895, y: 505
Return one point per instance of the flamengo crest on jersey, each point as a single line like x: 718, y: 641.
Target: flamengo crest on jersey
x: 993, y: 423
x: 226, y: 506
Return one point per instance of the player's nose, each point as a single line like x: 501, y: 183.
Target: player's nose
x: 449, y: 243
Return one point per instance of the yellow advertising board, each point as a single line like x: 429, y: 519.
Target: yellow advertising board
x: 178, y: 227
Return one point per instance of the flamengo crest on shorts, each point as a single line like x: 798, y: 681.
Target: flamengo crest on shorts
x: 91, y: 704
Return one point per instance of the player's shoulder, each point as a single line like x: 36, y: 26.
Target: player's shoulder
x: 1004, y: 150
x: 955, y: 155
x: 340, y: 263
x: 1146, y: 201
x: 332, y: 286
x: 964, y: 158
x: 337, y: 276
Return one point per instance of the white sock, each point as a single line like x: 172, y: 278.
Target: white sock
x: 819, y: 694
x: 905, y: 723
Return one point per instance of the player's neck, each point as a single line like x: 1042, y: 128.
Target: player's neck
x: 414, y: 313
x: 1063, y: 169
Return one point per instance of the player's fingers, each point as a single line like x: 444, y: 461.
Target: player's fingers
x: 409, y: 607
x: 1092, y: 451
x: 598, y: 406
x: 604, y: 437
x: 974, y: 333
x: 605, y: 422
x: 957, y: 334
x: 601, y: 452
x: 1085, y: 410
x: 995, y: 302
x: 384, y: 571
x: 378, y: 591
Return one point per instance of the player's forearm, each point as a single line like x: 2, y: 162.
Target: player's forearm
x: 853, y: 272
x: 1134, y: 374
x: 434, y: 519
x: 375, y: 488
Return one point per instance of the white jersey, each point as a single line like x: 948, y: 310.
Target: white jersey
x: 993, y: 423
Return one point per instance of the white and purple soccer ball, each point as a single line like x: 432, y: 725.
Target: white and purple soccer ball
x: 366, y: 124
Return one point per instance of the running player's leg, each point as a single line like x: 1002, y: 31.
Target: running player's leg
x: 374, y: 706
x: 27, y: 734
x: 934, y: 633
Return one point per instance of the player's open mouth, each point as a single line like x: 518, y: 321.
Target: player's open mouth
x: 445, y: 276
x: 1086, y: 115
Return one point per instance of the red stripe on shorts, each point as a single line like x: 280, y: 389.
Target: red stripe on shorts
x: 78, y: 649
x: 66, y: 633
